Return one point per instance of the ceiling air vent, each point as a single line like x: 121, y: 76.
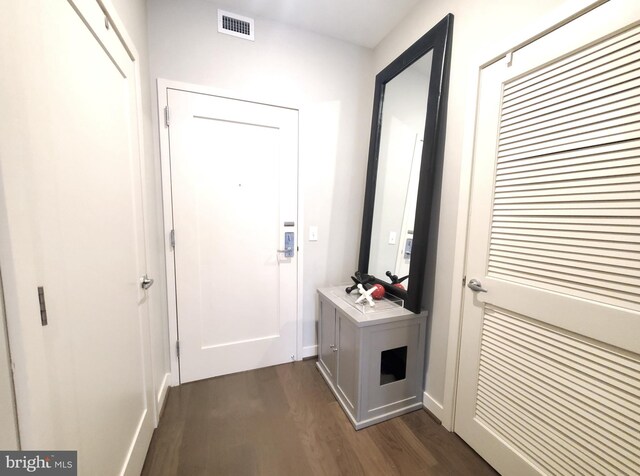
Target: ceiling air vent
x: 235, y: 25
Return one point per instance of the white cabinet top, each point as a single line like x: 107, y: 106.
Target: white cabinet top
x: 383, y: 312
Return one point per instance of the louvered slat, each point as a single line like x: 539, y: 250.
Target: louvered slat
x: 570, y: 405
x: 605, y: 152
x: 632, y: 265
x: 607, y: 220
x: 578, y: 144
x: 605, y: 85
x: 578, y: 111
x: 554, y: 165
x: 575, y: 197
x: 565, y: 225
x: 560, y: 186
x: 602, y: 50
x: 601, y: 376
x: 570, y: 127
x: 604, y: 247
x: 602, y: 69
x: 626, y: 86
x: 558, y: 433
x: 612, y: 170
x: 622, y: 207
x: 570, y: 398
x: 586, y: 234
x: 596, y: 63
x: 602, y: 211
x: 622, y: 258
x: 606, y: 132
x: 584, y: 461
x: 561, y: 275
x: 572, y: 124
x: 570, y: 262
x: 521, y: 434
x: 564, y: 189
x: 608, y: 417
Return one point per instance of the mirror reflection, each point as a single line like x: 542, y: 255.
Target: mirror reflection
x: 404, y: 110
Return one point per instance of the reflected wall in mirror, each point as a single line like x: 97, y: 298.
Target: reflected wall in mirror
x: 407, y: 139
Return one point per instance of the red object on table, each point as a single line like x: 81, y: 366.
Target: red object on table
x: 379, y: 292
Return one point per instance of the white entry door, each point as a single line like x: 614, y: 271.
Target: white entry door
x: 234, y: 189
x: 549, y: 378
x: 73, y: 235
x: 403, y: 259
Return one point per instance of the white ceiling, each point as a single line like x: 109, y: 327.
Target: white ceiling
x: 362, y: 22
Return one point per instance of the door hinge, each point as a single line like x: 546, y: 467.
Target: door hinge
x: 43, y: 306
x: 172, y: 239
x: 178, y: 348
x: 509, y: 58
x: 166, y: 116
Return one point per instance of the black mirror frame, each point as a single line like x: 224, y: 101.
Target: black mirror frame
x: 437, y: 39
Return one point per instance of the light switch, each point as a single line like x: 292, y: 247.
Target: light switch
x: 313, y: 233
x: 392, y: 238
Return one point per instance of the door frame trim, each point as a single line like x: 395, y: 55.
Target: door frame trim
x: 548, y: 23
x: 6, y: 361
x: 163, y: 86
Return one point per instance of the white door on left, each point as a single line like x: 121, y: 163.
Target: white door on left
x: 72, y: 224
x: 8, y: 423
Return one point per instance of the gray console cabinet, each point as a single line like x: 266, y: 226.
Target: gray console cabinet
x: 373, y: 362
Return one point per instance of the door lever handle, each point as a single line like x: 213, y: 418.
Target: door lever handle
x: 476, y: 286
x: 288, y: 245
x: 146, y: 282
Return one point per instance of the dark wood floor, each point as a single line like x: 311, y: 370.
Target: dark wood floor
x: 284, y: 421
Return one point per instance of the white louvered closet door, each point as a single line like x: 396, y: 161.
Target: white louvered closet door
x: 549, y: 377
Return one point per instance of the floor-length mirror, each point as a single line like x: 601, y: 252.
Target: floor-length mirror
x: 406, y: 150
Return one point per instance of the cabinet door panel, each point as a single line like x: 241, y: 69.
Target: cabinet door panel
x: 327, y: 338
x: 347, y: 380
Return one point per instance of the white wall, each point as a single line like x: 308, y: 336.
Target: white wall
x: 329, y: 80
x: 478, y: 25
x: 133, y: 14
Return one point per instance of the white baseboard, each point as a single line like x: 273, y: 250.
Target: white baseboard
x: 309, y: 351
x: 134, y: 460
x: 162, y: 394
x: 433, y: 406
